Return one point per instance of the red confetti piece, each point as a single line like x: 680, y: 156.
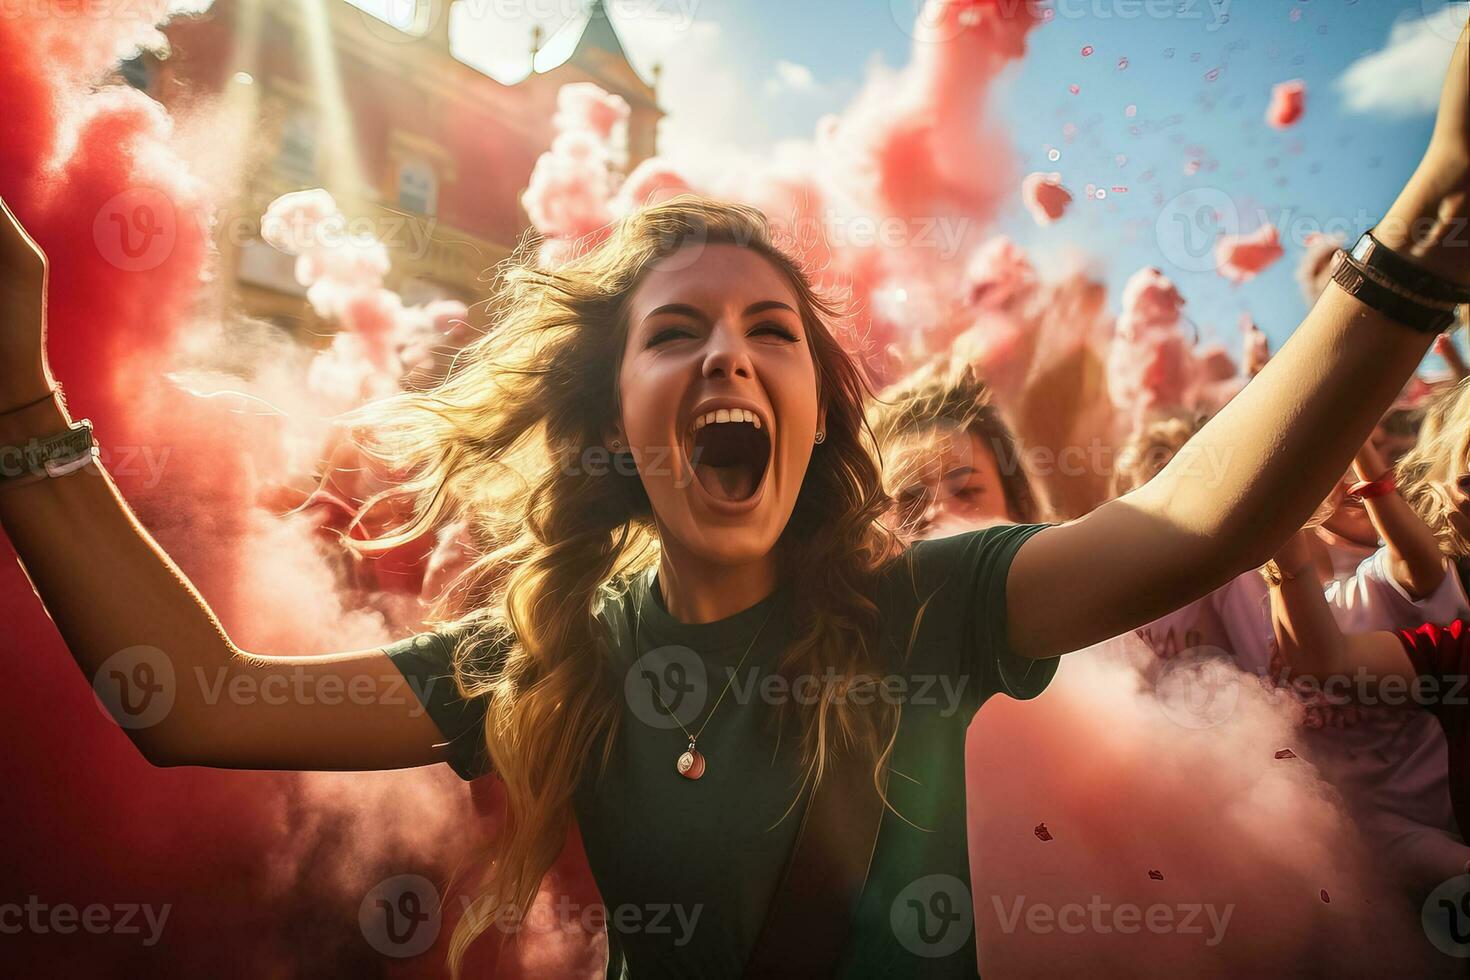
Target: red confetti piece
x: 1074, y: 89
x: 1087, y: 51
x: 1155, y: 875
x: 1212, y: 74
x: 1042, y: 833
x: 1285, y: 754
x: 1326, y: 897
x: 1122, y: 64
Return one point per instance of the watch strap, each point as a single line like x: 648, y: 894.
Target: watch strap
x: 1354, y: 281
x: 1405, y: 276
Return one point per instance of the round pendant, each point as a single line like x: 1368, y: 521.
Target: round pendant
x: 691, y: 764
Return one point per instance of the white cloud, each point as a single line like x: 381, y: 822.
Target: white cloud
x: 791, y: 77
x: 704, y: 91
x: 1404, y: 77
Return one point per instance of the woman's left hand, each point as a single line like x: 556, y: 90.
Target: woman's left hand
x: 1429, y: 220
x: 1448, y: 157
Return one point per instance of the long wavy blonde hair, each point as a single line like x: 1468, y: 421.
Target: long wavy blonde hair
x: 490, y: 445
x: 1440, y: 457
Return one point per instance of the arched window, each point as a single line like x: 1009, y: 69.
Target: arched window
x: 418, y: 187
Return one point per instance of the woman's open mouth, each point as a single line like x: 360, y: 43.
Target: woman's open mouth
x: 729, y: 451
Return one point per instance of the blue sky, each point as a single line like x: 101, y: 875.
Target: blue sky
x: 747, y: 74
x: 1336, y: 167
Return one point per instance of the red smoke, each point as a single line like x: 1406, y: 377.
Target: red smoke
x: 264, y: 872
x: 261, y: 872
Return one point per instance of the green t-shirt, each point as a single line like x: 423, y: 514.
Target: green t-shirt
x: 686, y: 868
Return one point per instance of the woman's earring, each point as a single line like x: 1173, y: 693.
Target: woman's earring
x: 617, y: 445
x: 821, y: 437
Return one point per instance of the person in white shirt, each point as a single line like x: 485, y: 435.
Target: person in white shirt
x: 1389, y: 762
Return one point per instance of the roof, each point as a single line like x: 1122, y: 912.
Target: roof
x: 579, y: 37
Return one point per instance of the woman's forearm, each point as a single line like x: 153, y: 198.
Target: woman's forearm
x: 1307, y: 635
x: 1414, y: 558
x: 1259, y: 468
x: 106, y: 583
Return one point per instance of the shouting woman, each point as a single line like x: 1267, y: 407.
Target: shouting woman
x: 706, y: 630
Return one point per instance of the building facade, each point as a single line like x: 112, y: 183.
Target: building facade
x: 425, y: 151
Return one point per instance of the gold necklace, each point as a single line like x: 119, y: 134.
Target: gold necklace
x: 691, y: 762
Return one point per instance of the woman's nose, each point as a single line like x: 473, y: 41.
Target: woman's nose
x: 726, y: 355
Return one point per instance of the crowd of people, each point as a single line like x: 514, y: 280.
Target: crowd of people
x: 1388, y: 552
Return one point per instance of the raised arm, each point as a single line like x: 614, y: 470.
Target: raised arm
x: 1414, y: 558
x: 122, y: 606
x: 1445, y: 347
x: 1254, y: 473
x: 1308, y: 635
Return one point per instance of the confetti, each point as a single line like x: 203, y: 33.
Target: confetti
x: 1045, y: 197
x: 1288, y: 102
x: 1326, y: 897
x: 1042, y: 833
x: 1240, y: 258
x: 1087, y: 51
x: 1285, y: 754
x: 1155, y: 875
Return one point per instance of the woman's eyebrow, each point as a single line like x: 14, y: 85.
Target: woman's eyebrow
x: 769, y: 304
x: 679, y: 309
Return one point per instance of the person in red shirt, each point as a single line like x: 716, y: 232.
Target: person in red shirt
x: 1439, y: 657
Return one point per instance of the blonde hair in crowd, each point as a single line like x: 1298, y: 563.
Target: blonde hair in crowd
x: 1438, y: 459
x: 492, y: 444
x: 956, y: 399
x: 1149, y: 448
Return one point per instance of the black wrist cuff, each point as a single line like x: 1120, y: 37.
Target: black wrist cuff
x: 1355, y: 281
x: 1405, y: 276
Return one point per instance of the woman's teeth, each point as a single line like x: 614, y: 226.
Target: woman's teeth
x: 729, y: 460
x: 727, y: 415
